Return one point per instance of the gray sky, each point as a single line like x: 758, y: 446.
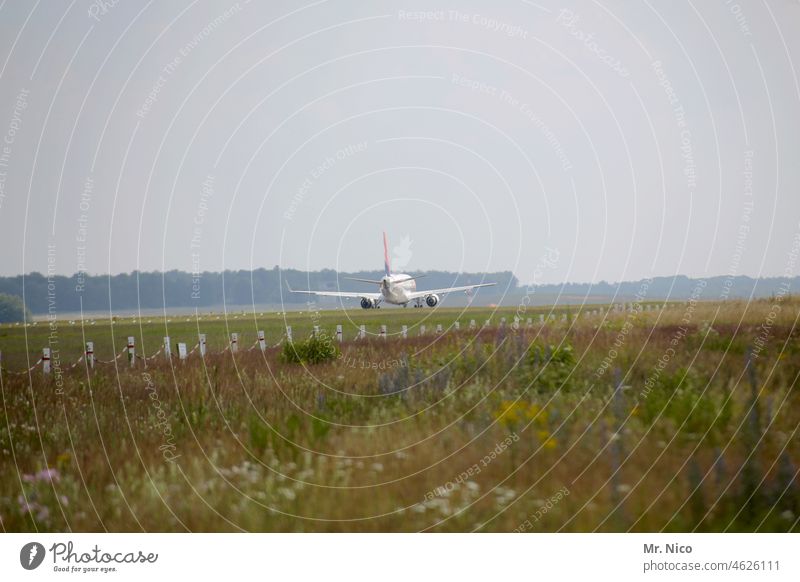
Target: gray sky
x: 636, y: 139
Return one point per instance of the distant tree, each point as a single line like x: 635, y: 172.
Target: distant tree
x: 12, y: 309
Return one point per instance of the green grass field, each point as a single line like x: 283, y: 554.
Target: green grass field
x: 20, y: 344
x: 630, y: 421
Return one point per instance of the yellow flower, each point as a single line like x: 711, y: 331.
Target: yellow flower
x: 63, y: 459
x: 548, y: 442
x: 511, y: 413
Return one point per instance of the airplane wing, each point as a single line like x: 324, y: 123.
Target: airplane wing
x: 342, y: 294
x: 445, y: 291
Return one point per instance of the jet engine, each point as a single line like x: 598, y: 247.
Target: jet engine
x: 432, y: 300
x: 367, y: 303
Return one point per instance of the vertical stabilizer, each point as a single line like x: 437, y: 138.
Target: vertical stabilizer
x: 387, y: 267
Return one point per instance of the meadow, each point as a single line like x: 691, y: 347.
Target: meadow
x: 633, y: 419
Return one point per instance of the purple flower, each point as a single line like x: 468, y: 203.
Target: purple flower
x: 48, y: 475
x: 43, y: 514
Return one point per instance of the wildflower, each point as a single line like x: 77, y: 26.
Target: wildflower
x: 548, y: 442
x: 511, y: 412
x: 48, y: 475
x: 287, y: 493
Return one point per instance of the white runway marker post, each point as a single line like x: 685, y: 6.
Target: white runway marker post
x: 45, y: 360
x: 472, y: 324
x: 404, y: 331
x: 362, y: 332
x: 438, y: 328
x: 383, y: 332
x: 289, y: 333
x: 234, y: 342
x: 131, y: 351
x: 167, y: 348
x: 541, y: 318
x: 529, y: 322
x: 182, y: 351
x: 202, y: 344
x: 457, y: 325
x: 262, y: 340
x: 90, y: 354
x: 339, y: 336
x: 421, y: 330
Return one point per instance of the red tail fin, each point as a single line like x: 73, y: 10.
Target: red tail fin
x: 387, y: 267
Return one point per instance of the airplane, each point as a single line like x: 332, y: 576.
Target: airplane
x: 395, y: 289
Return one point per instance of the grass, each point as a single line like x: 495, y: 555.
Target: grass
x: 23, y: 344
x: 641, y: 421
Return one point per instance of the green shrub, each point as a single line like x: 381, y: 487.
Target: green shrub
x: 314, y: 350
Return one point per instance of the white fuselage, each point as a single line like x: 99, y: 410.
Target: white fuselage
x: 396, y: 288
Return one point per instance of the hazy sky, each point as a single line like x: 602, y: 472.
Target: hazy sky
x: 633, y: 138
